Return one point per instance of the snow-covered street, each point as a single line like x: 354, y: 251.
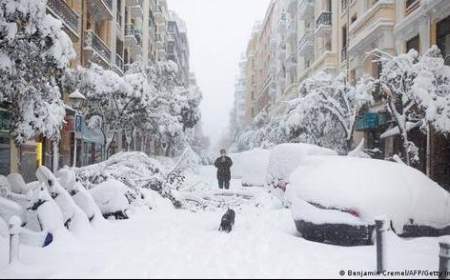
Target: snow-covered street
x: 171, y: 243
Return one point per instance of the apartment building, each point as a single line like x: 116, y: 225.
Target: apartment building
x: 178, y: 46
x: 25, y: 159
x: 149, y: 31
x: 134, y: 25
x: 161, y: 20
x: 251, y: 70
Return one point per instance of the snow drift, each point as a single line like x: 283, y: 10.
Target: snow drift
x: 370, y: 188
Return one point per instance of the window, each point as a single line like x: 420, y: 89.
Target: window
x: 414, y: 43
x: 4, y: 155
x: 443, y: 38
x: 344, y: 43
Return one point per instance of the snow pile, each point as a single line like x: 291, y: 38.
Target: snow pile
x: 359, y: 152
x: 137, y: 172
x: 134, y: 169
x: 251, y: 166
x: 284, y: 159
x: 369, y: 189
x: 82, y: 198
x: 111, y: 197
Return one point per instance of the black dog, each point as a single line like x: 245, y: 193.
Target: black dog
x: 227, y: 222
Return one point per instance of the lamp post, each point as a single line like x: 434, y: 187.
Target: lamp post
x: 76, y: 100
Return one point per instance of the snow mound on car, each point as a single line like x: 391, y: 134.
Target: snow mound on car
x: 371, y: 188
x: 251, y: 166
x: 284, y: 159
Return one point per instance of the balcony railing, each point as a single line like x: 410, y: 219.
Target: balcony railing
x: 94, y: 42
x: 324, y: 18
x: 411, y: 6
x: 306, y: 42
x: 69, y: 17
x: 119, y: 62
x: 102, y: 9
x: 131, y: 30
x: 109, y: 4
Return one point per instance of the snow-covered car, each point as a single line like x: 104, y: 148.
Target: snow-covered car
x: 75, y: 219
x: 250, y: 166
x: 83, y: 198
x: 112, y: 198
x: 284, y: 159
x: 342, y: 196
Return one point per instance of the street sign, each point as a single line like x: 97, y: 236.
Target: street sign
x: 78, y: 123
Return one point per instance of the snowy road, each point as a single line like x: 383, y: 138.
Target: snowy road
x: 176, y: 243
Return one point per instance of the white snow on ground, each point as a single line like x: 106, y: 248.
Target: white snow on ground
x: 372, y: 188
x: 171, y: 243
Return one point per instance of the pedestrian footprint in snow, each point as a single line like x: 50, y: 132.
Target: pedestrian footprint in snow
x: 223, y: 164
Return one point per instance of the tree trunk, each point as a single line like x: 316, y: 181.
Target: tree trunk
x: 428, y: 159
x: 55, y: 159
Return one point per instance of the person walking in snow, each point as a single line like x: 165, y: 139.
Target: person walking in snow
x: 223, y: 165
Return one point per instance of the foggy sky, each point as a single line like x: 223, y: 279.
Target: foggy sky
x: 218, y: 32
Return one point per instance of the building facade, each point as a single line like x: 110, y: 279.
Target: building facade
x: 112, y: 34
x: 345, y: 36
x: 178, y: 46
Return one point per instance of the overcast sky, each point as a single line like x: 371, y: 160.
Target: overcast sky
x: 218, y: 32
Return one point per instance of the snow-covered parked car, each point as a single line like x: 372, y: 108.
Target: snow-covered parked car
x: 284, y: 159
x: 75, y: 219
x: 112, y: 197
x: 251, y: 166
x: 336, y: 200
x: 80, y: 195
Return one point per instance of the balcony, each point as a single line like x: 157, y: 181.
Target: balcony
x: 305, y: 8
x: 323, y: 24
x: 101, y: 9
x: 119, y: 65
x: 133, y: 36
x: 378, y: 22
x: 411, y: 6
x: 306, y: 44
x: 136, y: 10
x: 99, y: 49
x: 70, y: 18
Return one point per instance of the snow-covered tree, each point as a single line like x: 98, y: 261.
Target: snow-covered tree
x: 147, y: 99
x: 34, y: 52
x: 417, y: 91
x: 326, y: 103
x: 109, y: 99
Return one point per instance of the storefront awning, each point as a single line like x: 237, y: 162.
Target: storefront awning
x: 396, y: 131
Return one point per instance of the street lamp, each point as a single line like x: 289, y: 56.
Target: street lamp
x: 77, y: 100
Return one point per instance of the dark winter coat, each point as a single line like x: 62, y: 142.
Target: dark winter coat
x: 224, y: 168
